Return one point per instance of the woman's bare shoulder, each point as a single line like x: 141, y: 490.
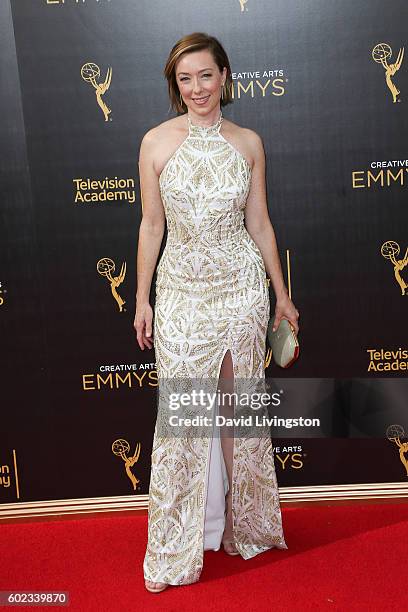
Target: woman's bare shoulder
x: 165, y: 129
x: 160, y: 142
x: 247, y: 140
x: 243, y: 133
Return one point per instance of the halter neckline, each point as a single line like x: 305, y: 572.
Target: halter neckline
x: 204, y: 129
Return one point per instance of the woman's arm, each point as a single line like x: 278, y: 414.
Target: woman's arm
x: 151, y: 233
x: 260, y: 228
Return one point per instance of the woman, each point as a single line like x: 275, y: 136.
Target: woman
x: 205, y: 176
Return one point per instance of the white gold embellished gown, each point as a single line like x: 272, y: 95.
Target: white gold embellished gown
x: 211, y: 296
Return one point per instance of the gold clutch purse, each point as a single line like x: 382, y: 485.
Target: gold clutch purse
x: 283, y: 342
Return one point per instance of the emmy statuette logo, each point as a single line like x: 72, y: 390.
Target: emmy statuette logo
x: 394, y: 434
x: 90, y: 73
x: 242, y: 4
x: 380, y: 54
x: 121, y: 448
x: 390, y: 250
x: 106, y: 267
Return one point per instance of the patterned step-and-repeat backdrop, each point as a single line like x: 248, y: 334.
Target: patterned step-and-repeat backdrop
x: 326, y: 86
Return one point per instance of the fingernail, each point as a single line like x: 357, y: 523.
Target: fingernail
x: 148, y: 334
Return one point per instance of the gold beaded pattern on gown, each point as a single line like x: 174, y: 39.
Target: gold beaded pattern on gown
x: 211, y: 296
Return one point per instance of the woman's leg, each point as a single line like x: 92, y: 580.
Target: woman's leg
x: 226, y: 385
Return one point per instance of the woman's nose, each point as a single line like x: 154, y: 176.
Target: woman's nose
x: 196, y: 86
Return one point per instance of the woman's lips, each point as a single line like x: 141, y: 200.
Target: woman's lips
x: 201, y: 101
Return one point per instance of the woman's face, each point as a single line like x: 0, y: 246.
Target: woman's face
x: 200, y: 81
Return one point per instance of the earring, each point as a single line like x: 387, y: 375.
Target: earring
x: 222, y: 92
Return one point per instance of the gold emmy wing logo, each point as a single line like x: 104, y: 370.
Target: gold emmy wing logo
x: 242, y: 4
x: 120, y: 448
x: 390, y: 250
x: 394, y: 434
x: 380, y: 54
x: 90, y: 73
x: 106, y: 267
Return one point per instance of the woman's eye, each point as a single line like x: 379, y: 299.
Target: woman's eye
x: 204, y: 75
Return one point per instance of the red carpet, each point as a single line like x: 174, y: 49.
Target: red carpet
x: 339, y: 558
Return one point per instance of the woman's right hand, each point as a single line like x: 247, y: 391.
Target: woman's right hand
x: 143, y: 325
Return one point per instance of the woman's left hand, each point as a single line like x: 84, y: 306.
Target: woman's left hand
x: 285, y: 309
